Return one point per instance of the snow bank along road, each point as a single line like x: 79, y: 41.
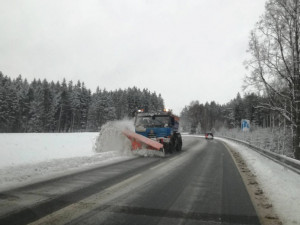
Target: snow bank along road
x: 200, y: 185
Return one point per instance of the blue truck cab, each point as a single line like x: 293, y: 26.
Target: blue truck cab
x: 162, y: 127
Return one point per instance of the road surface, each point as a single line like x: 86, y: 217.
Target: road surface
x: 200, y: 185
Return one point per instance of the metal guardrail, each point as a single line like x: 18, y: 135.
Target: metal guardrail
x: 285, y: 161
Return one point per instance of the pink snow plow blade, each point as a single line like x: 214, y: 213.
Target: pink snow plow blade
x: 140, y: 142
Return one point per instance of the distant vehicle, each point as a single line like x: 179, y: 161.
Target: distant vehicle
x: 209, y: 135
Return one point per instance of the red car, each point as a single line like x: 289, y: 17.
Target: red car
x: 209, y: 135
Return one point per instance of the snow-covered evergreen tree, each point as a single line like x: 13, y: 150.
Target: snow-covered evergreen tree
x: 54, y: 107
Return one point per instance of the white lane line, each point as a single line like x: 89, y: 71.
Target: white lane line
x: 164, y: 163
x: 176, y: 157
x: 157, y: 166
x: 173, y: 158
x: 86, y: 205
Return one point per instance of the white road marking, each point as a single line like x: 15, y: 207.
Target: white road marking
x: 80, y: 208
x: 157, y: 166
x: 86, y: 205
x: 177, y: 157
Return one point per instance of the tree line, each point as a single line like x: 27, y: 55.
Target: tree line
x: 274, y: 78
x: 268, y: 129
x: 42, y: 106
x: 201, y: 118
x: 274, y: 63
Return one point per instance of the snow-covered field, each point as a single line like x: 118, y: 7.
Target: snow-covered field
x: 281, y: 185
x: 32, y: 157
x: 19, y: 149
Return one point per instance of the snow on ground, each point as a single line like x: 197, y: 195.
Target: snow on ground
x: 16, y: 176
x: 281, y: 185
x: 32, y: 157
x: 18, y: 149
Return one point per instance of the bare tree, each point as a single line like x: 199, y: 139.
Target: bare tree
x: 274, y: 64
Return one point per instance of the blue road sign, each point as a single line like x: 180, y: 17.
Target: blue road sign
x: 245, y: 125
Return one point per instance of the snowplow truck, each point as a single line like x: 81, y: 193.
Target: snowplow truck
x: 156, y: 131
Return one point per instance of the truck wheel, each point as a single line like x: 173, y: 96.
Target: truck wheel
x: 179, y: 143
x: 171, y: 148
x: 172, y: 145
x: 178, y: 146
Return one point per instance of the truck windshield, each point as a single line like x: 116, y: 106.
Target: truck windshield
x: 152, y: 121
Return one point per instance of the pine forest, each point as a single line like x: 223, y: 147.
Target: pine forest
x: 42, y: 106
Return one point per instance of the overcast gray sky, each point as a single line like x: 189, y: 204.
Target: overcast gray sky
x: 184, y: 49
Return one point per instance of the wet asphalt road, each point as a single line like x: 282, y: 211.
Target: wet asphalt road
x: 200, y: 185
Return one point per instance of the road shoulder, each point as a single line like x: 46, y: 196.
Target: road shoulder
x: 263, y: 207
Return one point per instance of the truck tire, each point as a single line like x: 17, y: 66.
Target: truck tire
x: 171, y: 147
x: 178, y: 143
x: 172, y: 144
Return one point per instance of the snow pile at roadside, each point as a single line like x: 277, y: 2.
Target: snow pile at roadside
x: 15, y: 176
x: 280, y: 185
x: 148, y: 153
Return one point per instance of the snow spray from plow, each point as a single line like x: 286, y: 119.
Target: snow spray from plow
x: 119, y: 137
x: 111, y: 139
